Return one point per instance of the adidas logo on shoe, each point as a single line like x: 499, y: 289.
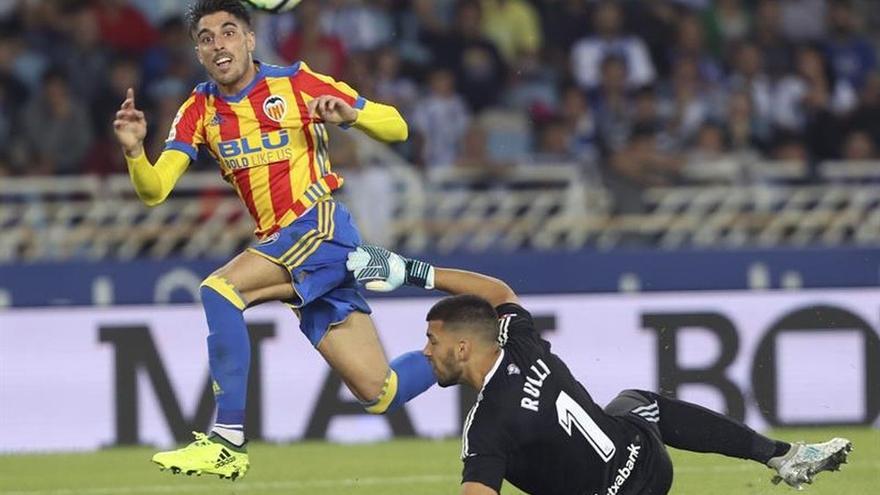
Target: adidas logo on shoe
x: 223, y: 459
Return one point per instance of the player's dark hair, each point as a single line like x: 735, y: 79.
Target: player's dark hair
x: 468, y: 312
x: 201, y: 8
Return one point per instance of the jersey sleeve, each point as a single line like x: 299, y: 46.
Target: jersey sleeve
x: 485, y: 444
x: 315, y: 85
x: 514, y: 322
x: 188, y: 129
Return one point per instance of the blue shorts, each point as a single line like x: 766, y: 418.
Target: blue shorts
x: 314, y: 249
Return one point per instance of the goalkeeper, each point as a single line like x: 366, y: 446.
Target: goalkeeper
x: 536, y: 426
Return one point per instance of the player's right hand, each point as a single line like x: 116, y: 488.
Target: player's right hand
x: 130, y: 126
x: 377, y: 268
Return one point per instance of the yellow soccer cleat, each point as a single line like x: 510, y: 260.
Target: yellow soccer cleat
x: 207, y: 455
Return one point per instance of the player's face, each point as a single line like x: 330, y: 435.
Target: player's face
x: 224, y: 46
x: 441, y: 352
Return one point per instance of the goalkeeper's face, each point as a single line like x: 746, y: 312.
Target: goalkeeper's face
x: 225, y: 46
x: 444, y: 351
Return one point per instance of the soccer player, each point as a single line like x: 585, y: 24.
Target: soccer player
x: 265, y: 127
x: 537, y: 427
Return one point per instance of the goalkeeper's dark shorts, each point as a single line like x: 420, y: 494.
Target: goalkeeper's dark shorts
x: 640, y: 410
x: 314, y: 249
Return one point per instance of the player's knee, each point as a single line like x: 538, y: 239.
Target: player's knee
x: 222, y: 287
x: 384, y: 402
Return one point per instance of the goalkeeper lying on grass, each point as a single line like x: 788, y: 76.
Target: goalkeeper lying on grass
x: 536, y: 426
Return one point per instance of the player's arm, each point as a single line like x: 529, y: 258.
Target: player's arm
x: 152, y: 183
x: 382, y: 270
x: 379, y: 121
x: 335, y: 102
x: 474, y: 488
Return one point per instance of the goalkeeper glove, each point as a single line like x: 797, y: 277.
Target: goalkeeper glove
x: 382, y: 270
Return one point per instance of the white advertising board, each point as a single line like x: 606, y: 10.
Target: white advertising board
x: 84, y: 378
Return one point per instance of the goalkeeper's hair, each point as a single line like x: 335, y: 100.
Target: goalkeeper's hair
x: 201, y: 8
x: 467, y: 313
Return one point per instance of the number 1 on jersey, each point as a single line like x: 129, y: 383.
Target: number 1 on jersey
x: 570, y: 412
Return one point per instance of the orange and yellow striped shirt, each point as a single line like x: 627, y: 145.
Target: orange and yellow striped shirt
x: 266, y: 144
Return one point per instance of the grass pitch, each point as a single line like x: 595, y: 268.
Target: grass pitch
x: 400, y: 467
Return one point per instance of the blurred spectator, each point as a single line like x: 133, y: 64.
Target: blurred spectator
x: 748, y: 76
x: 324, y: 53
x: 582, y: 128
x: 789, y: 147
x: 852, y: 55
x: 58, y: 129
x: 84, y: 56
x: 693, y: 100
x: 710, y: 158
x: 369, y: 189
x: 554, y: 143
x: 479, y: 70
x: 391, y: 86
x: 513, y: 27
x: 174, y: 46
x: 123, y: 27
x: 859, y: 145
x: 746, y: 131
x: 440, y: 121
x: 867, y: 114
x: 124, y: 73
x: 776, y: 50
x: 656, y: 23
x: 727, y: 22
x: 611, y: 101
x: 475, y: 153
x: 588, y: 55
x: 799, y: 97
x: 564, y: 22
x: 803, y: 20
x: 641, y: 163
x: 159, y: 11
x: 13, y: 92
x: 691, y: 44
x: 22, y: 61
x: 361, y: 26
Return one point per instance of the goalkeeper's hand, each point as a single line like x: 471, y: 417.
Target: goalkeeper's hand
x: 381, y: 270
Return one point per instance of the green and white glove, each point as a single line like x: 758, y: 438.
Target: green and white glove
x: 382, y: 270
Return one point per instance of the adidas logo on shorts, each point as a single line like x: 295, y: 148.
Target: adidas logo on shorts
x: 651, y: 412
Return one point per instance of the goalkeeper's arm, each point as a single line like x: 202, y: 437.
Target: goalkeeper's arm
x: 384, y: 271
x: 456, y: 282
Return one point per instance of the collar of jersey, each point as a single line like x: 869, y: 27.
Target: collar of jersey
x: 493, y: 370
x: 263, y: 70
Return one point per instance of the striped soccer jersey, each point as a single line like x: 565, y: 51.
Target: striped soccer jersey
x: 267, y: 146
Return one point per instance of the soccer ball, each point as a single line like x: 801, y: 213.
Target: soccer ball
x: 273, y: 5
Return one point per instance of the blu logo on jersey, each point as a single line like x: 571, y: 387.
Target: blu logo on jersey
x: 245, y: 146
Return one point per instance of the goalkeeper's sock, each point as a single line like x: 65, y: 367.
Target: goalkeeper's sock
x: 687, y: 426
x: 229, y: 353
x: 410, y: 375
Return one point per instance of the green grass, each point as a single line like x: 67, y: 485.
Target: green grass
x: 400, y: 467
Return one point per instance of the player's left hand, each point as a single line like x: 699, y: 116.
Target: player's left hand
x: 332, y: 110
x: 377, y: 268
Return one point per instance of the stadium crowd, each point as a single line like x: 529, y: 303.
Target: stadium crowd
x: 639, y: 92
